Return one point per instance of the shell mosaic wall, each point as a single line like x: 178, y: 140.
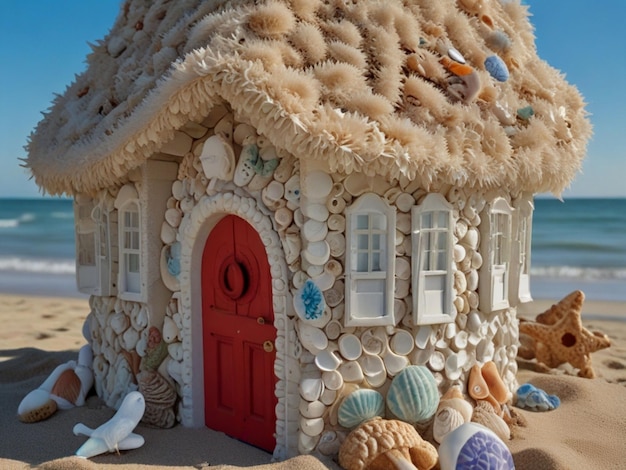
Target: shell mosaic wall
x: 319, y: 360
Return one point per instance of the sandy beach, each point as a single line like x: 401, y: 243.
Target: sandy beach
x: 38, y: 333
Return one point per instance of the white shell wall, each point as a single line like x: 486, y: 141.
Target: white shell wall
x: 318, y: 361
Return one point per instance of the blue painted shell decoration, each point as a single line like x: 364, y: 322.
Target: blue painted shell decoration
x: 309, y: 301
x: 413, y: 395
x: 173, y: 259
x: 472, y: 446
x: 359, y: 406
x: 532, y: 398
x: 497, y: 68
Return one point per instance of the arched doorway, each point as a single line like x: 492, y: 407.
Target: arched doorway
x: 238, y: 334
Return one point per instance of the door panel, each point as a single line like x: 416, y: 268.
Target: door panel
x: 238, y: 320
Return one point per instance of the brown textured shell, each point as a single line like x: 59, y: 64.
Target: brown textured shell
x: 160, y: 398
x: 67, y: 386
x: 366, y: 445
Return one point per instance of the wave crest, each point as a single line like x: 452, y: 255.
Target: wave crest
x: 38, y: 265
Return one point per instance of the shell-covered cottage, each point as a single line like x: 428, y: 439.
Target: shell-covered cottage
x: 280, y: 202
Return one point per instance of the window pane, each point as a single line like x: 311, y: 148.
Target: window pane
x: 135, y: 238
x: 441, y: 261
x: 376, y: 241
x: 427, y: 220
x: 377, y: 222
x: 362, y: 262
x: 376, y: 261
x: 133, y: 263
x: 442, y: 219
x: 362, y: 241
x: 362, y: 221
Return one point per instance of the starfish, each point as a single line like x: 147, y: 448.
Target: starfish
x: 561, y: 337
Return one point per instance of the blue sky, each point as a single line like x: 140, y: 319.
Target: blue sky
x: 43, y: 44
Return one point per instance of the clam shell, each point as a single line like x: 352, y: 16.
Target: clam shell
x: 446, y: 420
x: 402, y: 342
x: 350, y: 347
x: 360, y: 406
x: 317, y: 185
x: 326, y: 360
x: 316, y: 211
x: 413, y: 395
x: 357, y: 183
x: 314, y: 230
x: 317, y: 252
x: 312, y: 426
x: 485, y: 414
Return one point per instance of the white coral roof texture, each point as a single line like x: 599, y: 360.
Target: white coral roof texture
x: 361, y: 85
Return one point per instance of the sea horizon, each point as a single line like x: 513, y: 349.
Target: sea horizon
x: 576, y: 244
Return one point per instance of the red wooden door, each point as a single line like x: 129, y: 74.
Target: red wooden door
x: 238, y: 334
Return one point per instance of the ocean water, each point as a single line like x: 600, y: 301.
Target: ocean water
x: 577, y: 244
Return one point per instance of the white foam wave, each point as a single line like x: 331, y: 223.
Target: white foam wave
x: 62, y: 215
x: 577, y: 272
x: 9, y: 223
x: 38, y: 265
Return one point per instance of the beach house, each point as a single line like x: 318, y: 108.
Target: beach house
x: 279, y: 202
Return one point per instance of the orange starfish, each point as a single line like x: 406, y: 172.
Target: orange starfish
x: 561, y: 337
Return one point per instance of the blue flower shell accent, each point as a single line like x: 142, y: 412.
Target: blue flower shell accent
x: 497, y: 68
x: 309, y: 301
x: 532, y: 398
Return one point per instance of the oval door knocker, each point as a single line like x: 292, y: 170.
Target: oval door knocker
x: 268, y: 346
x: 233, y: 279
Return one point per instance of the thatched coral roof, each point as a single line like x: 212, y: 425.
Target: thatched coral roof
x: 370, y: 85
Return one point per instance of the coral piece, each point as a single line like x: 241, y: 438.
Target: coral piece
x: 116, y: 434
x: 488, y: 416
x: 359, y: 406
x: 565, y: 340
x: 160, y: 397
x: 413, y: 395
x: 532, y: 398
x: 472, y: 445
x: 386, y: 444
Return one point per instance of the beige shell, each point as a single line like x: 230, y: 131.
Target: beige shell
x: 486, y: 415
x: 446, y: 420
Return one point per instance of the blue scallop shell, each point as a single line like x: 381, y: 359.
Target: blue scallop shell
x: 309, y: 301
x: 532, y: 398
x: 413, y: 395
x: 497, y: 68
x: 359, y: 406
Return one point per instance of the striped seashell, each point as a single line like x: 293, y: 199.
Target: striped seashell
x: 485, y: 414
x: 446, y: 420
x: 413, y: 395
x: 359, y: 406
x: 160, y: 397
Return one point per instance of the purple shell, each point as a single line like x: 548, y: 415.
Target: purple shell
x: 484, y: 452
x: 497, y: 68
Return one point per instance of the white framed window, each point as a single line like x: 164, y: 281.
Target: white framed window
x: 433, y: 264
x: 370, y: 262
x: 522, y: 232
x: 130, y: 259
x: 92, y: 247
x: 495, y: 231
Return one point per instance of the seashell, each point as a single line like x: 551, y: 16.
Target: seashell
x: 308, y: 301
x: 292, y: 188
x: 350, y: 347
x: 359, y: 406
x: 273, y: 192
x: 476, y: 386
x: 336, y: 243
x: 326, y: 360
x: 460, y: 340
x: 446, y: 420
x: 532, y: 398
x: 218, y: 158
x: 119, y: 322
x: 312, y: 409
x: 336, y: 222
x: 170, y: 330
x: 371, y: 365
x: 336, y: 205
x: 311, y: 388
x: 130, y: 338
x: 351, y: 371
x: 178, y: 190
x: 311, y: 426
x: 316, y: 211
x: 402, y: 342
x: 404, y: 202
x: 413, y: 395
x: 453, y: 398
x: 317, y: 253
x: 224, y: 127
x: 402, y: 268
x: 459, y: 253
x: 333, y: 380
x: 173, y: 217
x: 242, y: 131
x: 495, y: 384
x: 371, y: 343
x: 455, y: 55
x: 471, y: 238
x: 333, y: 329
x: 456, y: 68
x: 454, y: 365
x: 306, y: 443
x: 329, y: 443
x: 477, y: 260
x: 394, y: 363
x: 486, y: 415
x: 168, y: 233
x: 437, y: 361
x: 357, y: 183
x: 497, y: 68
x: 317, y: 185
x: 472, y: 444
x: 36, y: 406
x: 314, y: 230
x: 283, y: 217
x: 160, y: 398
x: 313, y: 339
